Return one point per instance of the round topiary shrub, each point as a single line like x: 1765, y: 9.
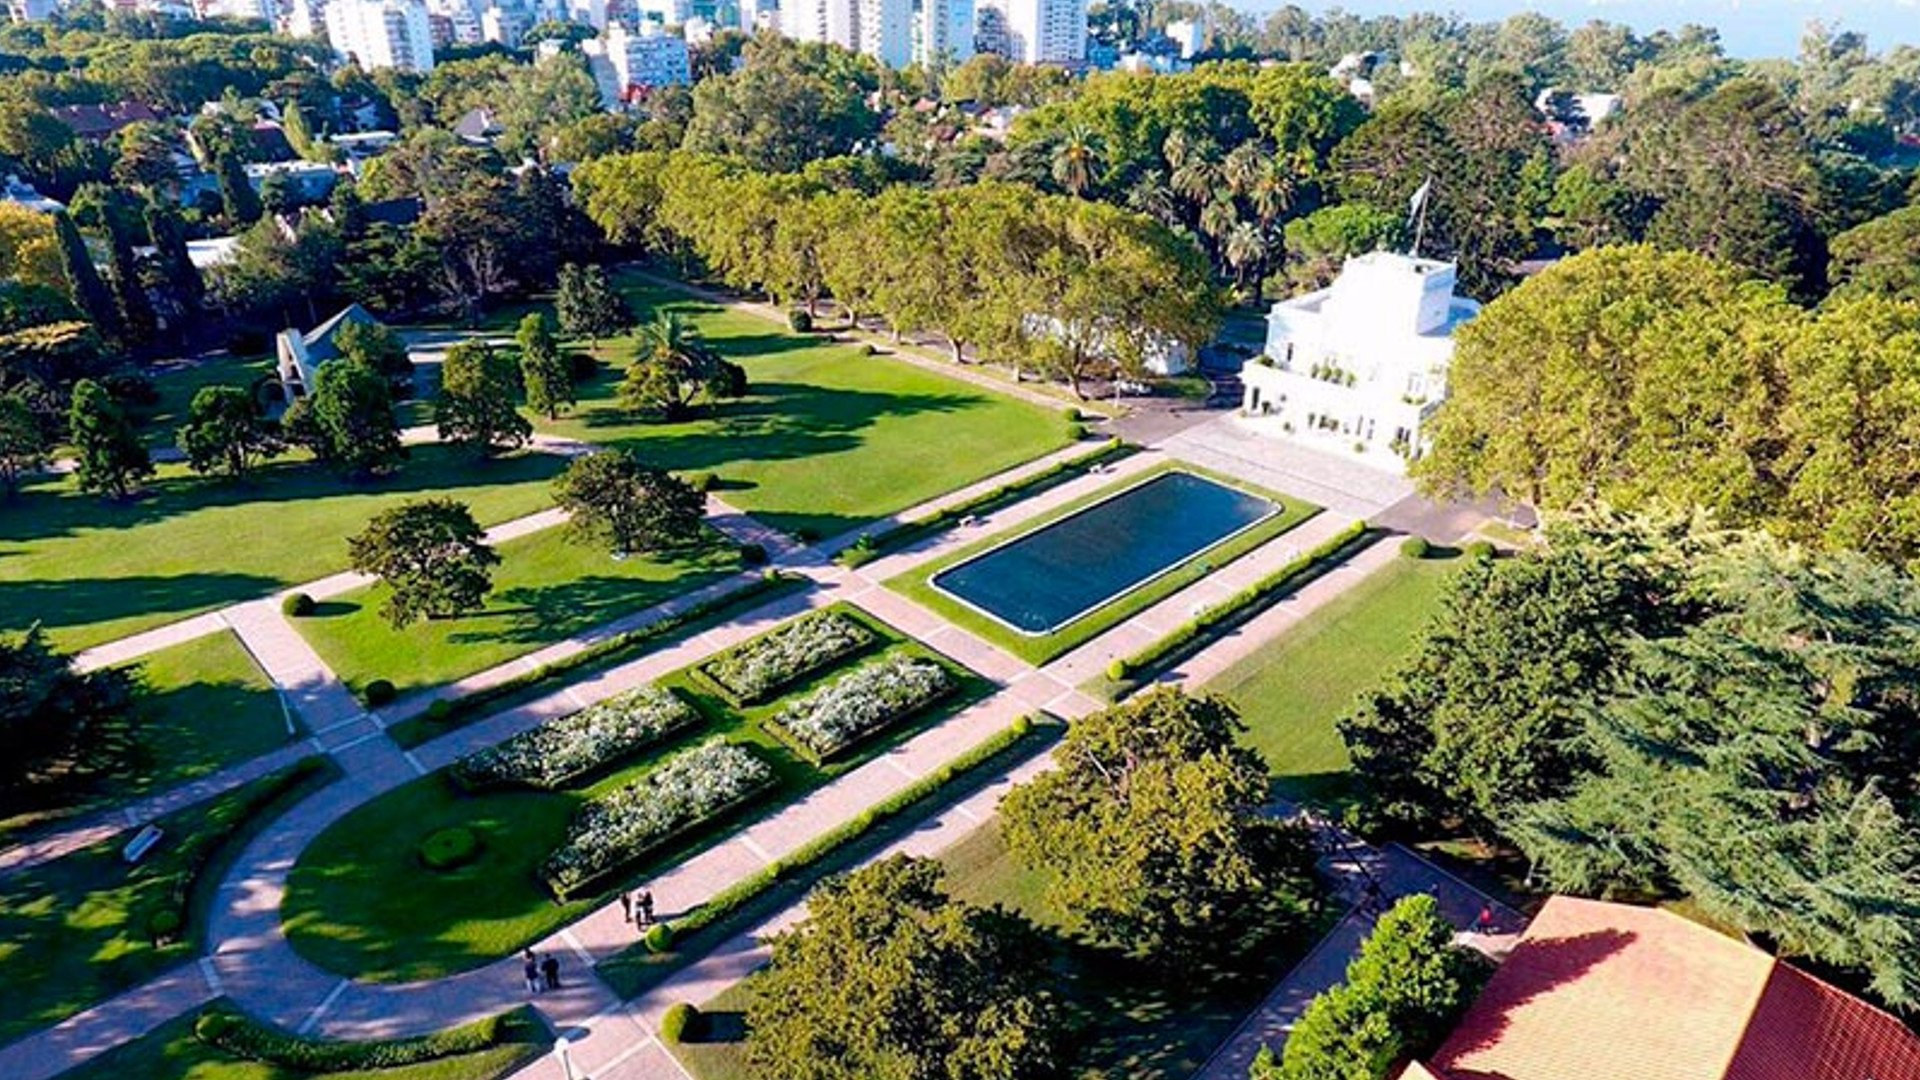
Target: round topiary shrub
x: 1072, y: 414
x: 449, y: 849
x: 1076, y: 432
x: 701, y: 481
x: 682, y: 1022
x: 869, y: 349
x: 212, y: 1026
x: 297, y: 606
x: 659, y: 937
x: 753, y: 555
x: 163, y: 926
x: 800, y: 321
x: 1022, y: 726
x: 439, y: 711
x: 1119, y: 669
x: 381, y: 692
x: 1480, y: 549
x: 1415, y: 547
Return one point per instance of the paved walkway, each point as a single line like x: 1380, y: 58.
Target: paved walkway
x: 84, y: 1036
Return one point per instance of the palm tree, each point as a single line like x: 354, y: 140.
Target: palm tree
x: 1197, y: 176
x: 1076, y: 157
x: 1219, y: 217
x: 1246, y: 248
x: 670, y: 368
x: 1271, y: 190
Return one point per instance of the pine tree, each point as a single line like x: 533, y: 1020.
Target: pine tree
x: 112, y: 459
x: 543, y: 371
x: 137, y: 321
x: 587, y: 304
x: 237, y: 196
x: 89, y: 293
x: 170, y: 243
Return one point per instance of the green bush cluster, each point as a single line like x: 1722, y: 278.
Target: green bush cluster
x: 297, y: 606
x: 800, y: 322
x: 243, y: 1037
x: 870, y: 547
x: 449, y: 849
x: 380, y: 692
x: 701, y: 481
x: 1480, y: 549
x: 681, y: 1022
x: 613, y: 648
x: 1415, y: 547
x: 1217, y: 617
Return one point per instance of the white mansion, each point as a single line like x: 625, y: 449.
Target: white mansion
x: 1357, y: 369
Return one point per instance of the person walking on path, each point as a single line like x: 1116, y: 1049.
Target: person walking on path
x: 645, y: 905
x: 626, y: 905
x: 550, y: 971
x: 531, y: 969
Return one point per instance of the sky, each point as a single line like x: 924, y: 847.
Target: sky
x: 1749, y: 29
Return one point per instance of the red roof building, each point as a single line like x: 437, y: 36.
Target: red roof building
x: 100, y: 121
x: 1598, y: 991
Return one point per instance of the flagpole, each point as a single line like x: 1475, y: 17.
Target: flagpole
x: 1425, y: 196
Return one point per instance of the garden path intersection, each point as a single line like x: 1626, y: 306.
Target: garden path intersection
x: 250, y: 960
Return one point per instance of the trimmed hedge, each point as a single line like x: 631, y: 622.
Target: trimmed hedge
x: 758, y: 668
x: 871, y: 546
x: 241, y: 1036
x: 617, y: 647
x: 449, y: 849
x: 380, y: 692
x: 681, y: 1022
x: 1255, y: 596
x: 1415, y: 547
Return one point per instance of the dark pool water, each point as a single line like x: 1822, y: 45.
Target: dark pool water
x: 1050, y: 577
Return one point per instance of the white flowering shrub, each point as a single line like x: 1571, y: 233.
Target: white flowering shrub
x: 561, y: 751
x: 753, y: 670
x: 687, y: 789
x: 866, y: 700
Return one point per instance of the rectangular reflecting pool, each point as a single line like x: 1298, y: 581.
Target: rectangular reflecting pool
x: 1043, y: 580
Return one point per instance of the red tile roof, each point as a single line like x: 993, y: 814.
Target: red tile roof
x: 1598, y: 991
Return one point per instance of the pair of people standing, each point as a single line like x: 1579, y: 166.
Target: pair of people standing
x: 542, y: 973
x: 638, y: 907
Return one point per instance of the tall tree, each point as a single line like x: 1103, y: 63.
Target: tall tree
x: 432, y: 557
x: 23, y: 442
x: 351, y: 418
x: 238, y: 200
x: 889, y: 976
x: 1152, y: 833
x: 1403, y: 991
x: 111, y: 459
x: 227, y: 431
x: 88, y: 292
x: 587, y: 304
x: 544, y: 372
x: 673, y: 368
x: 377, y: 348
x: 478, y: 393
x: 50, y: 713
x: 615, y: 500
x: 169, y: 237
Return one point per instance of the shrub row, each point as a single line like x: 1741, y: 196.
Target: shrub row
x: 243, y: 1037
x: 867, y: 548
x: 1218, y: 616
x: 732, y: 899
x: 861, y: 703
x: 614, y: 648
x: 693, y: 786
x: 197, y: 850
x: 559, y: 752
x: 753, y: 670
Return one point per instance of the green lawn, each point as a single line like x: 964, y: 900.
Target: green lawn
x: 203, y: 705
x: 90, y: 570
x: 828, y: 438
x: 178, y: 383
x: 1291, y: 692
x: 546, y: 588
x: 172, y: 1052
x: 1125, y: 1023
x: 75, y: 930
x: 360, y: 904
x: 917, y: 584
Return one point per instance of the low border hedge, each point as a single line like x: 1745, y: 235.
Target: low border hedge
x: 868, y: 547
x: 1217, y: 618
x: 614, y: 649
x: 235, y: 1033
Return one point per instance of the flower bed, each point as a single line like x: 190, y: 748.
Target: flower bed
x: 753, y: 670
x: 559, y: 752
x: 848, y: 710
x: 691, y: 787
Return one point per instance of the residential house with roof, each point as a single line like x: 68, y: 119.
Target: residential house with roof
x: 97, y: 122
x: 1596, y: 990
x: 1359, y: 368
x: 298, y: 356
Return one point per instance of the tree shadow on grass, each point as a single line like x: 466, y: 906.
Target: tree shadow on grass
x: 74, y: 602
x: 51, y: 507
x: 537, y: 616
